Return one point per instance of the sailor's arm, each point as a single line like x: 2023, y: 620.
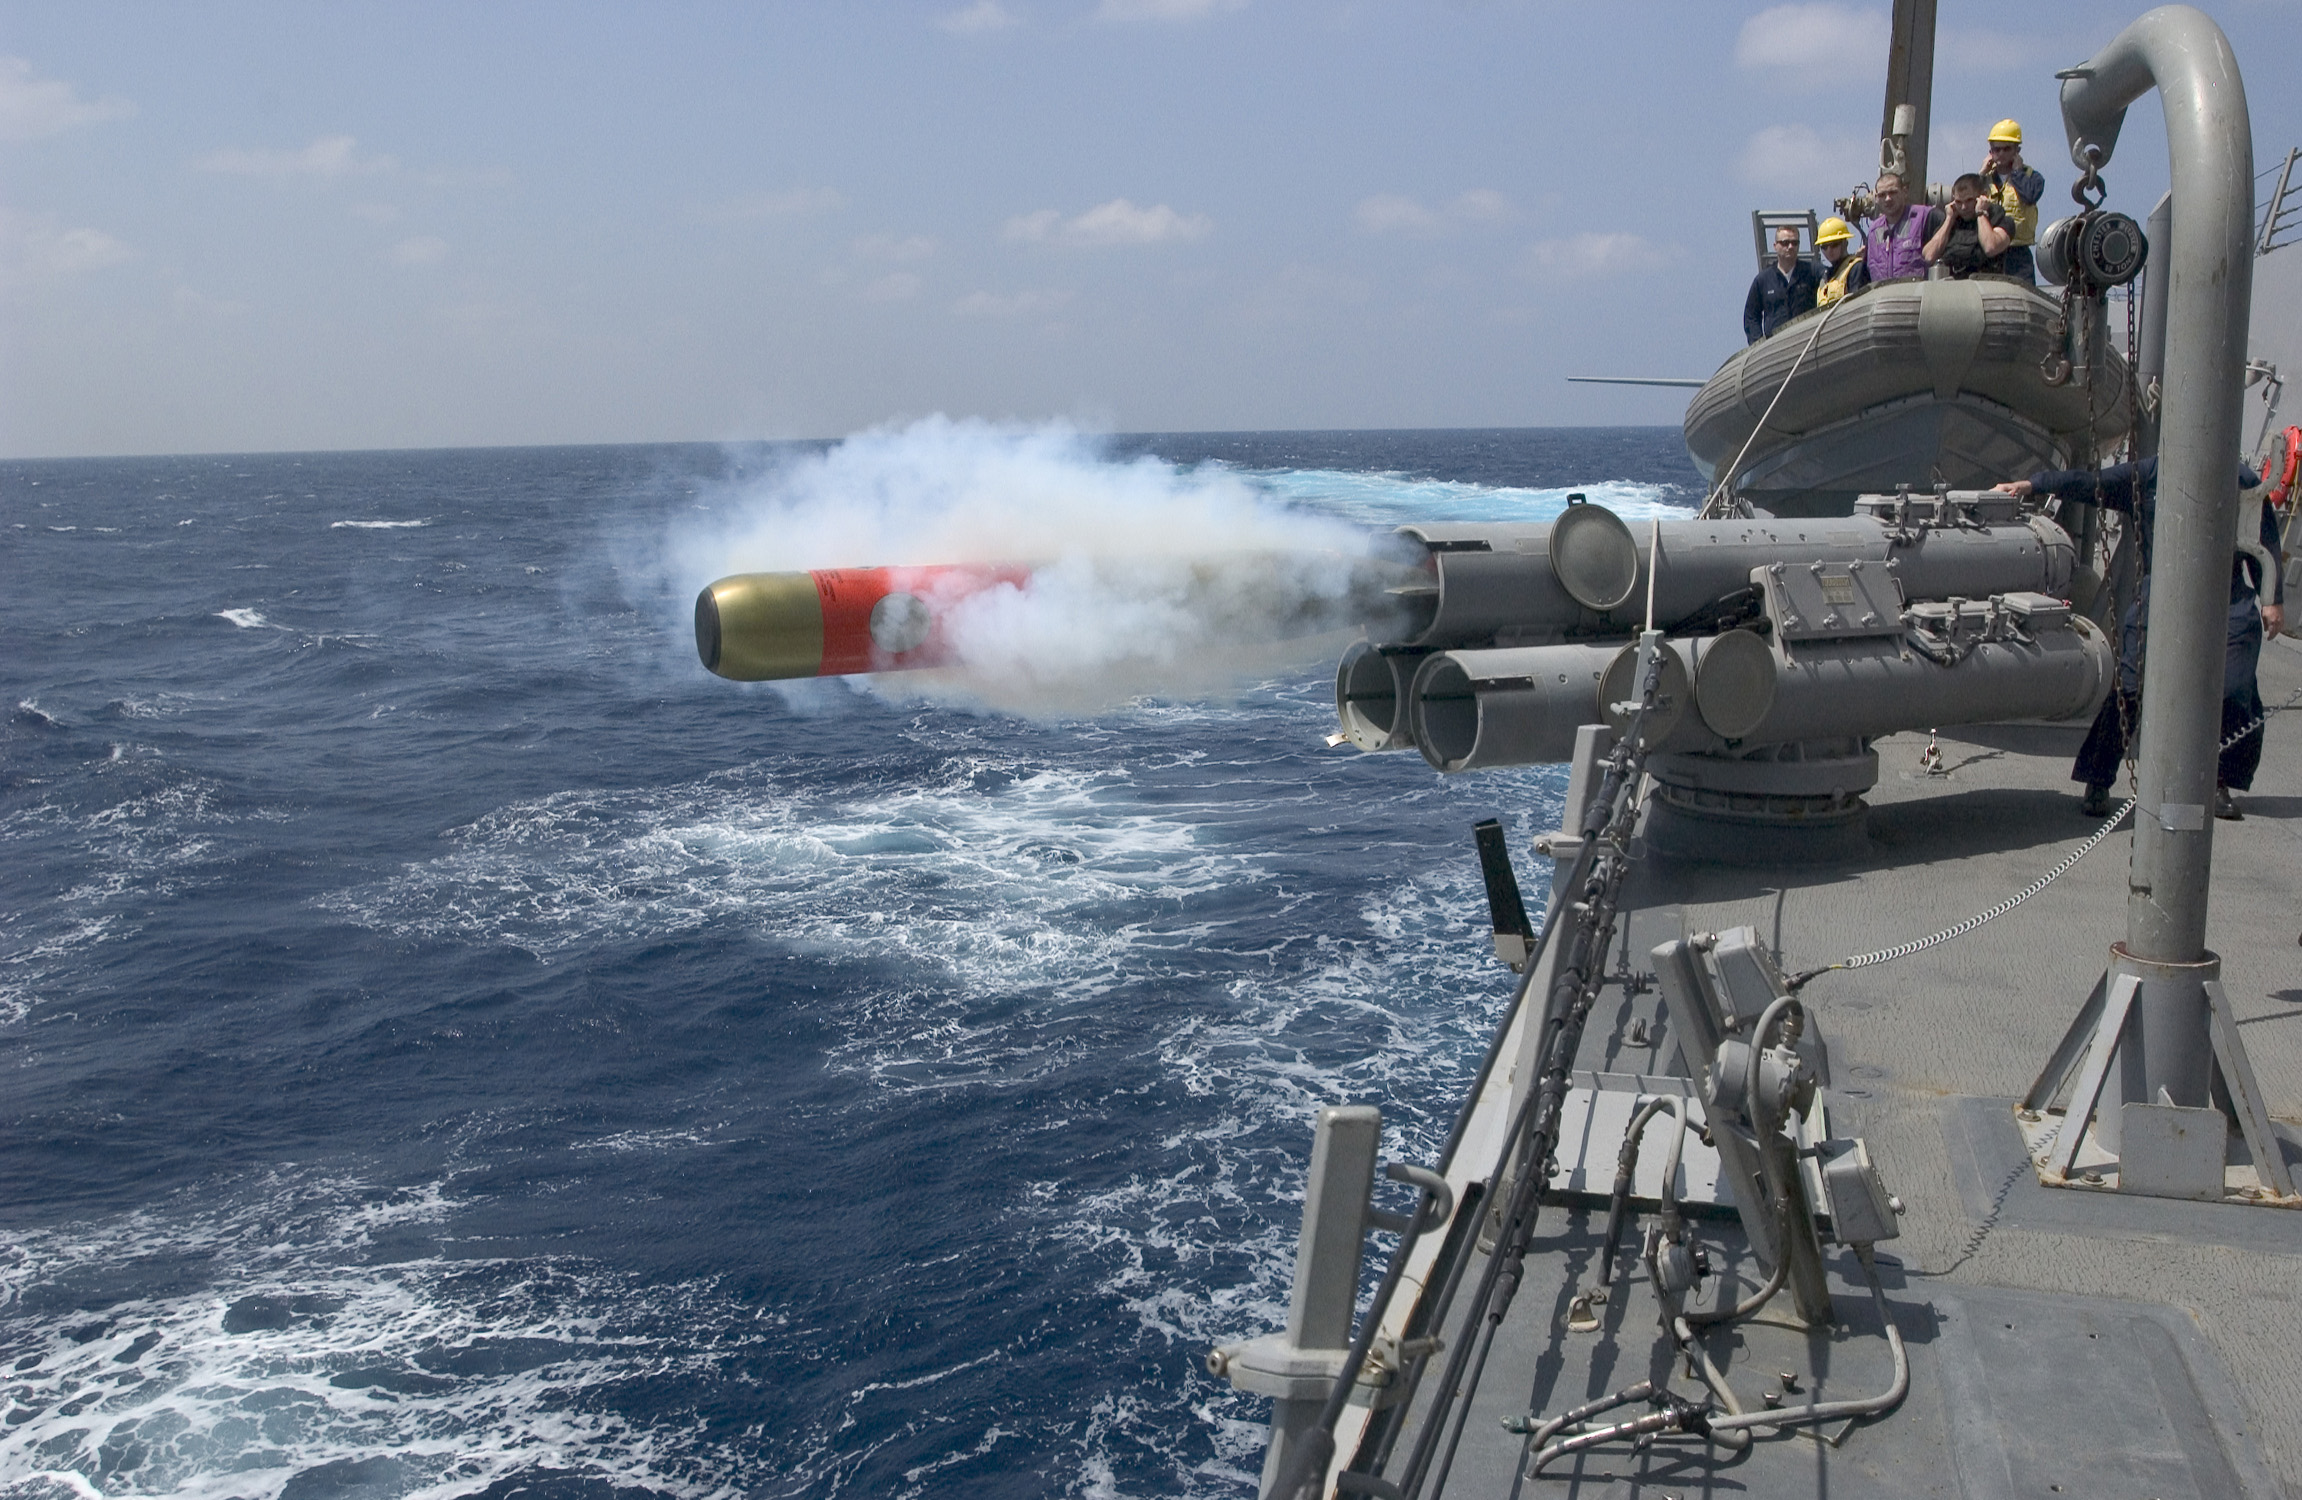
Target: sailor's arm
x: 2273, y: 588
x: 1938, y: 242
x: 2111, y: 488
x: 1990, y: 229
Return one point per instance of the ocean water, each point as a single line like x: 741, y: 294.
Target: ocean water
x: 456, y: 1047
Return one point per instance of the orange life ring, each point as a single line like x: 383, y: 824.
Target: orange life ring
x: 2286, y: 475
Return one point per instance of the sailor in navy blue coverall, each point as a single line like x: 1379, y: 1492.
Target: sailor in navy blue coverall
x: 2257, y: 605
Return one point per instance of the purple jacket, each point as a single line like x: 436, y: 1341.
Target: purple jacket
x: 1897, y: 250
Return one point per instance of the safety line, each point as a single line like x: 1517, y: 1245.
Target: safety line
x: 1798, y: 982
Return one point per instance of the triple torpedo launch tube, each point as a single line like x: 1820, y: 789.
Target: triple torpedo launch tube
x: 754, y: 627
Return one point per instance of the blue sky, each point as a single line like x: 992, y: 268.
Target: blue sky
x: 282, y: 226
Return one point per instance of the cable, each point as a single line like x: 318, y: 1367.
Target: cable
x: 1683, y: 1416
x: 1748, y: 1305
x: 1728, y: 473
x: 1799, y: 981
x: 1831, y: 1411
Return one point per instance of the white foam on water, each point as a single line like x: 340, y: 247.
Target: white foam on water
x: 246, y: 619
x: 1394, y: 500
x: 144, y: 848
x: 1004, y: 915
x: 1201, y: 1251
x: 1057, y: 885
x: 375, y: 525
x: 450, y: 1372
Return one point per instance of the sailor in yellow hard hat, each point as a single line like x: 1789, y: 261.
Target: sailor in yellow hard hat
x: 2017, y: 189
x: 1839, y: 272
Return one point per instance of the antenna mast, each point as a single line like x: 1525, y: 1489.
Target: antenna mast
x: 1909, y: 81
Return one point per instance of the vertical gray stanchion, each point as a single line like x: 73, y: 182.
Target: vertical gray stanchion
x: 2209, y: 279
x: 1296, y: 1368
x: 2156, y: 1013
x: 1326, y: 1261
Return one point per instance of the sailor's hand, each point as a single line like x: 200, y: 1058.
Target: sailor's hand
x: 2273, y: 621
x: 2018, y: 488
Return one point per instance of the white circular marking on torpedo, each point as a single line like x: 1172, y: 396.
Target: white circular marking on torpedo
x: 899, y: 623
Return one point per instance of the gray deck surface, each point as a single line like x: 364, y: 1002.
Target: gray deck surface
x: 2061, y: 1342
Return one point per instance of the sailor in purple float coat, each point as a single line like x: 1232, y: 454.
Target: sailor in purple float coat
x: 1894, y: 246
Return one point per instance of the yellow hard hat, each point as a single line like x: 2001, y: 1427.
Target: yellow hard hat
x: 1832, y: 229
x: 2007, y: 130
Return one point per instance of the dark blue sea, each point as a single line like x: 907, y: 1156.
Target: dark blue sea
x: 455, y: 1046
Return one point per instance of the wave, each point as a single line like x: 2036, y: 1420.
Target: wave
x: 1394, y: 500
x: 375, y: 525
x: 311, y: 1353
x: 246, y: 619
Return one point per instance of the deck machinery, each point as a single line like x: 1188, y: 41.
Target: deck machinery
x: 1655, y: 1254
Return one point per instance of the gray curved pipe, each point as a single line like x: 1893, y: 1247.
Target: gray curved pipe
x: 2210, y: 284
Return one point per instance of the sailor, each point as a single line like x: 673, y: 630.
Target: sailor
x: 1839, y: 271
x: 2016, y: 188
x: 1972, y: 236
x: 2257, y: 610
x: 1894, y: 247
x: 1780, y: 291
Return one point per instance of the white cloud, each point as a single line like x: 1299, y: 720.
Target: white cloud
x: 31, y: 108
x: 1118, y: 222
x: 1961, y: 145
x: 76, y: 250
x: 420, y: 250
x: 1033, y: 226
x: 1481, y: 206
x: 797, y: 203
x: 1008, y: 305
x: 895, y: 286
x: 38, y: 248
x: 1800, y: 159
x: 1820, y: 42
x: 1162, y: 10
x: 327, y: 158
x: 1393, y: 213
x: 983, y: 15
x: 893, y: 247
x: 1591, y: 256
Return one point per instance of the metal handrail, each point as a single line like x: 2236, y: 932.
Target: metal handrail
x: 1315, y: 1453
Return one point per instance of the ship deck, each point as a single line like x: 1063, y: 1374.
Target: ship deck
x: 2061, y: 1342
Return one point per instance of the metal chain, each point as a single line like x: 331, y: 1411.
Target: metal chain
x: 2055, y: 368
x: 2130, y: 535
x: 1920, y: 945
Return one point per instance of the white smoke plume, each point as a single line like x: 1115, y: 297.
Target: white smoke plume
x: 1145, y: 580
